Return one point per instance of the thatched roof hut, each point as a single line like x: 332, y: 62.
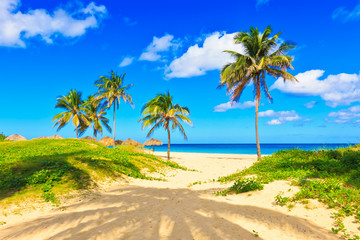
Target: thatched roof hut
x: 51, y: 137
x: 42, y: 138
x: 118, y: 142
x: 153, y: 142
x: 56, y: 137
x: 132, y: 143
x: 89, y: 138
x: 16, y: 137
x: 107, y: 141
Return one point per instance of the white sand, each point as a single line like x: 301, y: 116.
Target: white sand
x: 171, y: 210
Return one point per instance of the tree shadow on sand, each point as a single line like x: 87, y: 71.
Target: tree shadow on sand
x: 152, y: 213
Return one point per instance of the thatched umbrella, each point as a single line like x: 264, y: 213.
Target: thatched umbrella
x: 89, y: 138
x: 56, y: 137
x: 15, y: 137
x: 107, y: 141
x: 118, y: 142
x: 132, y: 143
x: 153, y: 142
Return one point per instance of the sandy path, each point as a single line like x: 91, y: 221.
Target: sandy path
x: 171, y: 210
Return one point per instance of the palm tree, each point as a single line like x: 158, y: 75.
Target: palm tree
x: 161, y: 112
x: 95, y: 112
x: 262, y: 56
x: 111, y: 90
x: 73, y: 106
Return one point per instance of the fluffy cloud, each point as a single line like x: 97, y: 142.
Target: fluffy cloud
x: 345, y: 115
x: 157, y: 46
x: 197, y: 60
x: 310, y: 104
x: 16, y: 26
x: 347, y: 15
x: 340, y: 89
x: 233, y: 105
x: 280, y: 117
x: 126, y: 61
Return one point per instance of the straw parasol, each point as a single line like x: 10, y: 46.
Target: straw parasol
x: 56, y: 137
x: 15, y: 137
x: 89, y: 138
x: 107, y: 141
x: 132, y: 143
x: 118, y: 142
x: 153, y: 142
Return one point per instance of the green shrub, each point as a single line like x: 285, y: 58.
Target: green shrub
x: 247, y: 185
x: 2, y: 137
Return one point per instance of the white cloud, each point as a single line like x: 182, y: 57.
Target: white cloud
x: 157, y: 46
x: 16, y: 26
x: 197, y: 60
x: 233, y: 105
x: 347, y: 15
x: 345, y: 115
x: 280, y: 117
x: 310, y: 104
x: 126, y: 61
x: 340, y: 89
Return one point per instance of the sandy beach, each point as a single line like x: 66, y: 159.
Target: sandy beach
x: 142, y: 209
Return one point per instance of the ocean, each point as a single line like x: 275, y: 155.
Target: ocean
x: 246, y: 148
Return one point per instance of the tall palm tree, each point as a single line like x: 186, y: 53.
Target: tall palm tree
x: 262, y: 56
x: 73, y: 106
x: 111, y: 89
x: 161, y: 112
x: 95, y: 112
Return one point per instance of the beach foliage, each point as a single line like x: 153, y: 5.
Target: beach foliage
x: 263, y: 55
x: 162, y: 112
x: 2, y: 136
x: 111, y: 89
x: 72, y: 103
x: 330, y: 176
x: 95, y: 111
x: 51, y: 167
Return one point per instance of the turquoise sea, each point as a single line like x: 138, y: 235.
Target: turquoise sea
x: 246, y: 148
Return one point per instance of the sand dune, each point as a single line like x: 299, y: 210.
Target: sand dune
x: 171, y: 210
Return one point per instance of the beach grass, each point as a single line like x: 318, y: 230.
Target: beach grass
x: 48, y: 168
x: 330, y: 176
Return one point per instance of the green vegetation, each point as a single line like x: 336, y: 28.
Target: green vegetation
x: 95, y: 112
x: 111, y: 90
x: 161, y: 112
x: 49, y: 168
x: 2, y: 137
x: 330, y: 176
x: 74, y: 109
x: 262, y: 56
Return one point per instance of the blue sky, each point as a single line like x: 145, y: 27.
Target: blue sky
x: 50, y: 47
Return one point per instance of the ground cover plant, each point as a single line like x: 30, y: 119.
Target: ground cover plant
x: 330, y: 176
x: 51, y: 167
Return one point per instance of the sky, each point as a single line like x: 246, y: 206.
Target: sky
x: 48, y: 48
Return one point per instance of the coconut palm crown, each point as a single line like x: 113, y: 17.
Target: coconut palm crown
x: 73, y: 106
x: 112, y: 90
x: 162, y: 112
x: 95, y: 112
x: 262, y: 55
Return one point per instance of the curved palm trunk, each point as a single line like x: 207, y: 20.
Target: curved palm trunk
x: 77, y: 133
x: 168, y: 150
x: 256, y: 127
x: 114, y: 127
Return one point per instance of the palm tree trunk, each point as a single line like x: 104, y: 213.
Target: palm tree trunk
x: 257, y: 100
x: 95, y: 135
x: 114, y: 126
x: 168, y: 150
x: 77, y: 133
x: 153, y: 148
